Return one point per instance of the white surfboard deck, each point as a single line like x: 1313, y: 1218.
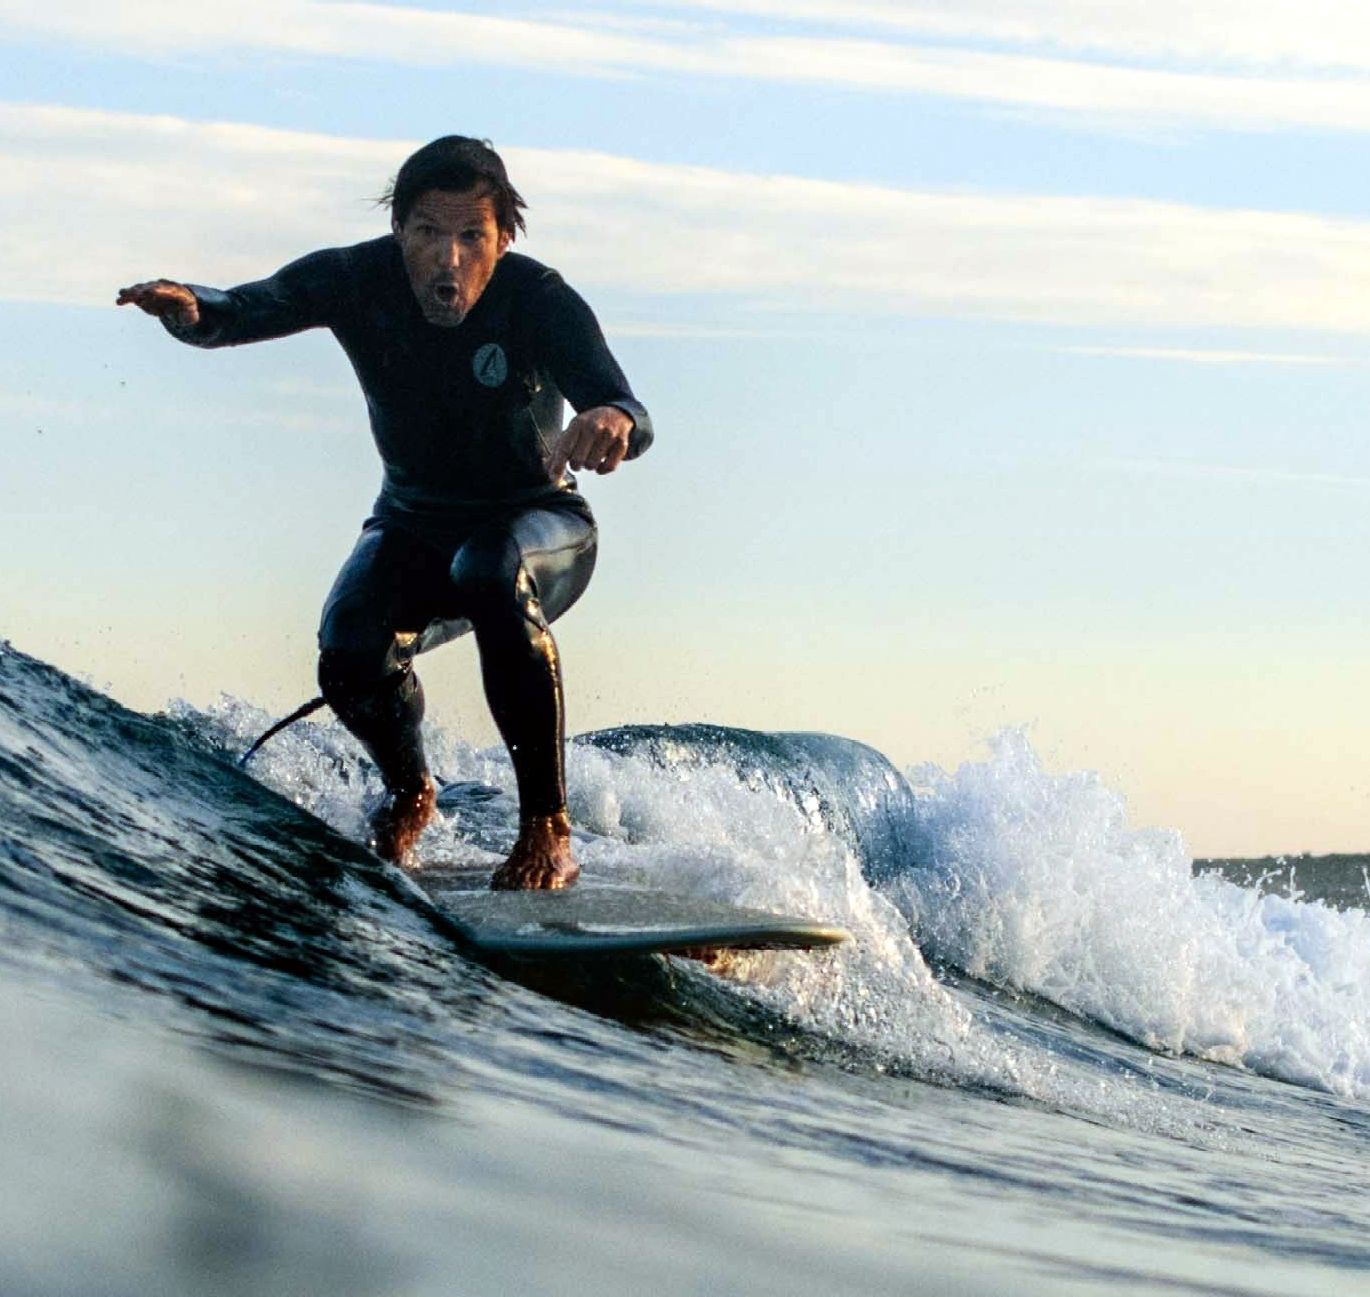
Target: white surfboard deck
x: 594, y: 918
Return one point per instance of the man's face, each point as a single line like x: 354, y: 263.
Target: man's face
x: 450, y: 243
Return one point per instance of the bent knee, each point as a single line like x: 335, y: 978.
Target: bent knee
x: 492, y: 585
x: 348, y: 674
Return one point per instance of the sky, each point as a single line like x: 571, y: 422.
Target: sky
x: 1008, y: 362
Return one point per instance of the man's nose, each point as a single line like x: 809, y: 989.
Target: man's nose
x: 449, y: 253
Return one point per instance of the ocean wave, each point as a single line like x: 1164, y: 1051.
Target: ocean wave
x: 999, y: 871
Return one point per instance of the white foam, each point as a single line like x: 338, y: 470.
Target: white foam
x: 704, y: 830
x: 1037, y: 881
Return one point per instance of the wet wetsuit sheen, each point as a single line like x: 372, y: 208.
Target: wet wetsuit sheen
x: 468, y: 529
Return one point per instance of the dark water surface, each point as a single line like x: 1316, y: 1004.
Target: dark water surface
x: 240, y: 1059
x: 1342, y: 881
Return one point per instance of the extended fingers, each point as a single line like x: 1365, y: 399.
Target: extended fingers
x: 134, y: 293
x: 159, y: 297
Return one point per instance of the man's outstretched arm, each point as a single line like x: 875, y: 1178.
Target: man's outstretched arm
x: 302, y: 295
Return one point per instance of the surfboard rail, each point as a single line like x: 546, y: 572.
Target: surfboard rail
x: 598, y: 919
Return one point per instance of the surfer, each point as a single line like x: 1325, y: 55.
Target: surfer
x: 464, y: 351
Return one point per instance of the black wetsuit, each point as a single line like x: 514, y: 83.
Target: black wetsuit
x: 468, y: 530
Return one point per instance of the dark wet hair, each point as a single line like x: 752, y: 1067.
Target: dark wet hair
x: 455, y: 164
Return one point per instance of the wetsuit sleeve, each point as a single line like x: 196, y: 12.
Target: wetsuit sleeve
x: 306, y: 294
x: 571, y: 345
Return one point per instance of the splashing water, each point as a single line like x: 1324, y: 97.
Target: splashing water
x: 1036, y: 881
x: 1024, y: 879
x: 805, y: 824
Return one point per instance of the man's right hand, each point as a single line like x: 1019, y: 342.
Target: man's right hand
x: 165, y: 299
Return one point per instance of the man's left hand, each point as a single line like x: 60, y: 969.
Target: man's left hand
x: 595, y: 439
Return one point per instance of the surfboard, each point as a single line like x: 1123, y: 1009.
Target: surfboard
x: 604, y: 919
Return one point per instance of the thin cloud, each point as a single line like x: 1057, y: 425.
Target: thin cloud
x: 222, y: 202
x: 1099, y: 95
x: 1254, y: 33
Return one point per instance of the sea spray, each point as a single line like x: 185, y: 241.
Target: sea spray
x: 750, y: 823
x: 1037, y: 881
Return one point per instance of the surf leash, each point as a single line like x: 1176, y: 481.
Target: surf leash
x: 308, y: 709
x: 394, y: 679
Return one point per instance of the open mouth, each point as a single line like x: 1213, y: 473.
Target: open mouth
x: 446, y: 294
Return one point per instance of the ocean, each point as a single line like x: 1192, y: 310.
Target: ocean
x: 1057, y: 1057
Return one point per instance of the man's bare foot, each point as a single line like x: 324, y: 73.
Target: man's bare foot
x: 396, y: 826
x: 714, y: 958
x: 541, y: 857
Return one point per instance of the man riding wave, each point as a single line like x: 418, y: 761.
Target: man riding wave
x: 464, y: 351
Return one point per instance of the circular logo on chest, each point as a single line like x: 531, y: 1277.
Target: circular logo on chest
x: 490, y: 365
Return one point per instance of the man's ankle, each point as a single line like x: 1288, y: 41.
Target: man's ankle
x: 558, y: 824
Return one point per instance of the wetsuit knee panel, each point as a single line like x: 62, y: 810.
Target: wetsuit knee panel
x: 494, y: 574
x: 489, y: 579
